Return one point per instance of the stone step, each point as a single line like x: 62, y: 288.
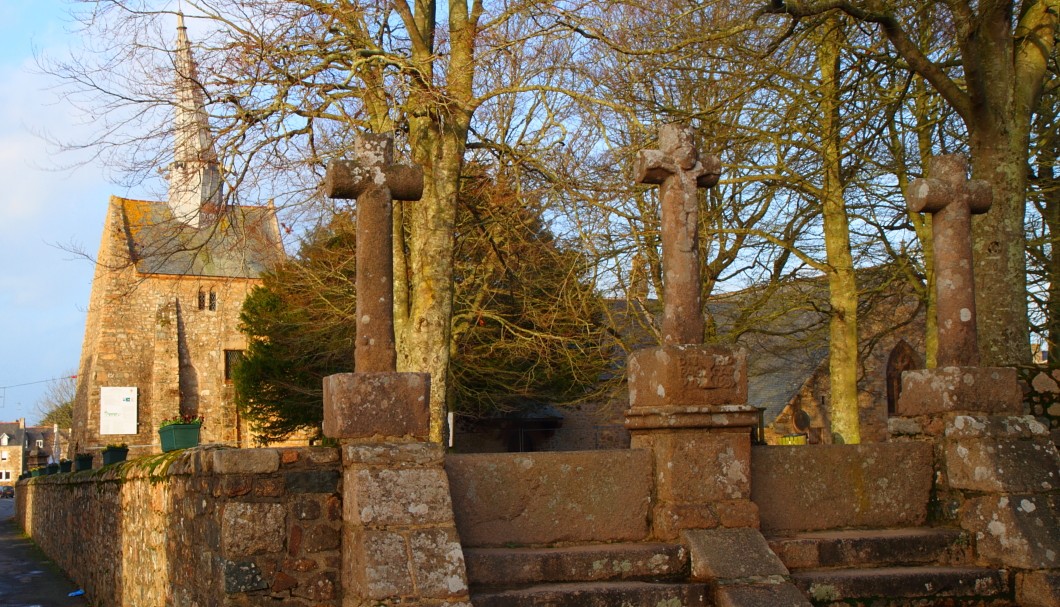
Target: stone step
x: 827, y: 586
x: 583, y: 563
x: 872, y: 548
x: 596, y: 594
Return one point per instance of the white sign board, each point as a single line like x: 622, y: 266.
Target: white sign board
x: 117, y: 410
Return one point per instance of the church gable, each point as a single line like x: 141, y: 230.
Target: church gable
x: 239, y: 243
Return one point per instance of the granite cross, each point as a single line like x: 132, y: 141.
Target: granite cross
x: 952, y: 199
x: 676, y: 166
x: 375, y: 181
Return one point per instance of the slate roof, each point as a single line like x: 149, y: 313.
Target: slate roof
x: 785, y: 330
x: 14, y: 433
x: 241, y: 243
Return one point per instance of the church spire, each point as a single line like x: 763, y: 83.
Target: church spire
x: 195, y: 175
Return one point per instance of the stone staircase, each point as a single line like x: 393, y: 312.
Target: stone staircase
x: 587, y: 575
x: 879, y: 567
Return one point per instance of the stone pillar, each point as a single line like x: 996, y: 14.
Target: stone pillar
x: 688, y: 406
x: 687, y: 401
x: 399, y: 540
x: 997, y: 473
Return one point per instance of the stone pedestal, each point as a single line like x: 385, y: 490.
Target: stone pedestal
x: 997, y: 473
x: 377, y: 406
x: 688, y: 408
x: 400, y: 545
x: 992, y: 390
x: 399, y: 539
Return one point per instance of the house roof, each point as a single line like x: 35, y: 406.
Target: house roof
x: 784, y: 328
x: 240, y: 242
x: 13, y: 431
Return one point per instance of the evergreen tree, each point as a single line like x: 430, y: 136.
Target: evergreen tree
x: 299, y: 326
x: 526, y: 326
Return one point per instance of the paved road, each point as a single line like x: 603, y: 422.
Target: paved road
x: 27, y: 577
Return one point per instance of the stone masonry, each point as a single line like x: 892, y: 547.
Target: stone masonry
x: 203, y: 526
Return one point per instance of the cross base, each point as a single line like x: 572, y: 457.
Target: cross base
x: 377, y: 407
x: 687, y: 376
x: 993, y: 390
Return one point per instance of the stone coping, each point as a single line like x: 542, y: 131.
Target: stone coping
x: 692, y: 417
x: 205, y: 459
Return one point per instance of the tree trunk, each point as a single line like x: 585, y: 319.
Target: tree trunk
x: 438, y: 138
x: 999, y: 249
x: 842, y: 285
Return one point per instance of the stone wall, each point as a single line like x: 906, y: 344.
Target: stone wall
x: 254, y: 526
x: 1041, y: 394
x: 545, y: 498
x: 806, y: 488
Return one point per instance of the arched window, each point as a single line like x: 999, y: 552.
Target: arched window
x: 213, y: 300
x: 202, y: 299
x: 903, y: 358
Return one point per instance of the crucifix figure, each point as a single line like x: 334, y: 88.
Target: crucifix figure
x: 375, y: 181
x: 676, y: 166
x: 952, y: 199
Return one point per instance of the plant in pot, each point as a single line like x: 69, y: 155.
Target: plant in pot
x: 115, y: 453
x: 83, y: 461
x: 65, y: 465
x: 33, y: 472
x: 180, y: 432
x: 52, y: 469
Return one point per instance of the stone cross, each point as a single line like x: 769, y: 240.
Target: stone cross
x: 952, y: 199
x: 677, y: 168
x: 375, y: 181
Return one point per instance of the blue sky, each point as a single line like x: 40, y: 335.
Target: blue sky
x: 43, y: 210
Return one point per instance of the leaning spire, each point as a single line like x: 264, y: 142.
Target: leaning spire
x: 195, y: 175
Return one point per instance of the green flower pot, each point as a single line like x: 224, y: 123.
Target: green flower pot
x: 66, y: 466
x: 84, y: 462
x: 179, y: 436
x: 113, y: 456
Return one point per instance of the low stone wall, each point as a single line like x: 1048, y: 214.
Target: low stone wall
x: 545, y: 498
x: 1041, y: 395
x: 254, y: 526
x: 815, y: 487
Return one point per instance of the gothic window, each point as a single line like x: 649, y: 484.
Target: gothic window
x: 232, y: 359
x: 202, y: 299
x: 903, y: 358
x: 213, y: 300
x: 40, y: 443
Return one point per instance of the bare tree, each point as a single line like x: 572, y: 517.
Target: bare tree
x: 1003, y: 49
x: 56, y: 405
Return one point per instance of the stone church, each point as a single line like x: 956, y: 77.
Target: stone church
x: 161, y: 334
